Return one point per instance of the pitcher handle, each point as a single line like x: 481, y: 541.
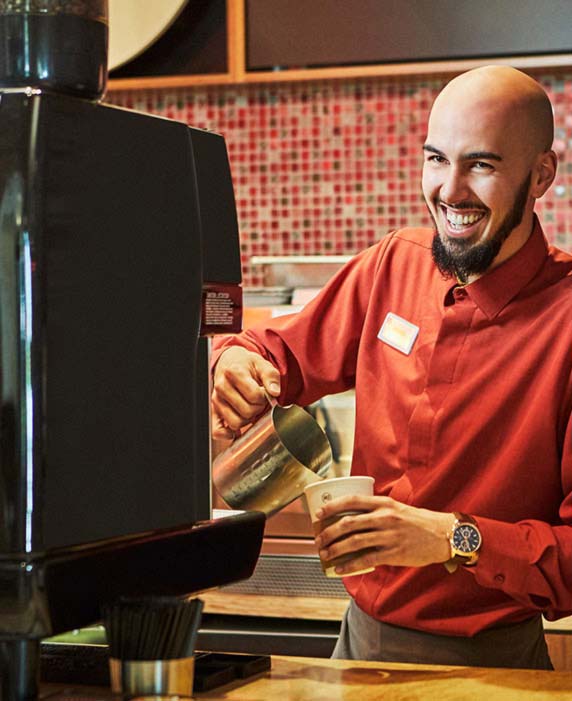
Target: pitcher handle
x: 270, y: 399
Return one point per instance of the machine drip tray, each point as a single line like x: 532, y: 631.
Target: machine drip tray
x: 74, y: 664
x: 63, y: 663
x: 214, y: 669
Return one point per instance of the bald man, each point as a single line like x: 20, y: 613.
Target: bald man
x: 458, y: 341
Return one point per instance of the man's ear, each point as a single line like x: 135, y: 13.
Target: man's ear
x: 544, y: 173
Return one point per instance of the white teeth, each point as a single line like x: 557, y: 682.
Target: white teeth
x: 459, y: 220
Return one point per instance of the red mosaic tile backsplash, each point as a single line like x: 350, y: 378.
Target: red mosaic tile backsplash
x: 329, y: 167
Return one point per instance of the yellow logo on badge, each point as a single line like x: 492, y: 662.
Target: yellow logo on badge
x: 398, y: 333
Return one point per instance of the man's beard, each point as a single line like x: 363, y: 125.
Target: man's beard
x: 461, y: 258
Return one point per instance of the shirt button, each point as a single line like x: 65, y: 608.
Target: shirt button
x: 499, y: 578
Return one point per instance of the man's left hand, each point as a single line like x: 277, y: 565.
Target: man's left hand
x: 392, y: 532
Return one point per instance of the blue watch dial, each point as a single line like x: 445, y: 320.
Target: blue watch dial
x: 466, y: 539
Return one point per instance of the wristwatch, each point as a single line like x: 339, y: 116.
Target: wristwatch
x: 465, y: 540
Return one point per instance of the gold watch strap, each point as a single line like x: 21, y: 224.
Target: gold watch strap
x: 458, y: 559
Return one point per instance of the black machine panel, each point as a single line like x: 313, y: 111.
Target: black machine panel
x: 123, y: 275
x: 109, y: 202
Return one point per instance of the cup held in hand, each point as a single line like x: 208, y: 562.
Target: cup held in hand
x: 319, y: 494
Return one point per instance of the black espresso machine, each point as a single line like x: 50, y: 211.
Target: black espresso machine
x: 118, y: 251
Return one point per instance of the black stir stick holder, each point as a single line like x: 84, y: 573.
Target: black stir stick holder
x: 151, y: 644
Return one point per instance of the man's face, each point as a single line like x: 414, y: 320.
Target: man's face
x: 466, y: 257
x: 476, y: 178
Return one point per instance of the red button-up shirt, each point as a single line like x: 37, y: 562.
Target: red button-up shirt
x: 475, y: 418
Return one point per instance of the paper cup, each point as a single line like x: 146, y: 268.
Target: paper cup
x: 319, y: 494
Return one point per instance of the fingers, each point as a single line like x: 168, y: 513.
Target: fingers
x: 240, y: 380
x: 235, y: 412
x: 367, y: 549
x: 353, y: 503
x: 220, y: 430
x: 268, y: 376
x: 358, y: 551
x: 390, y: 532
x: 363, y: 561
x: 354, y: 530
x: 370, y: 533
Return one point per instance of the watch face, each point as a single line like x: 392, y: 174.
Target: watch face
x: 466, y: 538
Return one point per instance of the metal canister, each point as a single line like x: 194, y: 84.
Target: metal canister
x: 269, y: 465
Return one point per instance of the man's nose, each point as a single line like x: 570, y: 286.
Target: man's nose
x: 454, y: 188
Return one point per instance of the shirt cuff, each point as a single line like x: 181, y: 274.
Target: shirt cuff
x: 505, y: 559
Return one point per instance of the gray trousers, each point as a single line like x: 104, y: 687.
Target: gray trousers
x: 520, y: 645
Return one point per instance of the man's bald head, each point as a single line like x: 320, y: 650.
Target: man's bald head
x: 488, y: 158
x: 504, y: 93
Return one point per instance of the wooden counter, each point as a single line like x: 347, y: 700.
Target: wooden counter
x: 302, y: 607
x: 308, y: 679
x: 321, y: 608
x: 558, y: 638
x: 297, y: 678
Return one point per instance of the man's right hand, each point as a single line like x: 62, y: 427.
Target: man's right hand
x: 240, y: 381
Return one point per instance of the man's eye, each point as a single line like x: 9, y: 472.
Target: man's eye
x: 434, y: 158
x: 482, y: 165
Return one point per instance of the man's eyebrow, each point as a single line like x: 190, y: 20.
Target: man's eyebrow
x: 432, y: 149
x: 472, y: 156
x: 481, y: 155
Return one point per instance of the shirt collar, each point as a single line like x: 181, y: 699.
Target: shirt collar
x: 494, y: 290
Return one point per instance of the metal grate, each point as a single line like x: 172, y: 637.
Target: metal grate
x: 290, y: 575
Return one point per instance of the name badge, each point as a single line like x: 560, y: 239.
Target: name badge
x: 398, y: 333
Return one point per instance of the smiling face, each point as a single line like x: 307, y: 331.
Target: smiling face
x: 483, y: 169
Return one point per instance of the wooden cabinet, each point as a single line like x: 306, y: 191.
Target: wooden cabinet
x: 211, y: 49
x: 336, y: 33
